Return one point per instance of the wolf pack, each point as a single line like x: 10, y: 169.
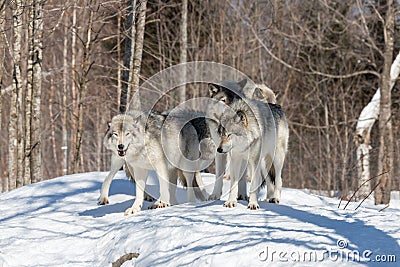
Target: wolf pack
x: 242, y: 130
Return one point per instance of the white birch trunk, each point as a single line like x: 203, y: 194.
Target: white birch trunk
x: 129, y: 53
x: 366, y: 120
x: 36, y: 151
x: 64, y: 146
x: 82, y: 92
x: 137, y: 61
x: 183, y: 53
x: 28, y: 94
x: 16, y: 89
x: 4, y: 182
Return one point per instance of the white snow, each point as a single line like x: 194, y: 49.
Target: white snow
x: 58, y: 223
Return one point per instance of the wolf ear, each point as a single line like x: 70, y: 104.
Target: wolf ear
x: 241, y: 117
x: 242, y: 83
x: 218, y: 117
x: 246, y: 90
x: 213, y: 89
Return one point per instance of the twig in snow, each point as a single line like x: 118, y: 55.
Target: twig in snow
x: 124, y: 258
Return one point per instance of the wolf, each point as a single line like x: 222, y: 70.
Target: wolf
x: 229, y: 92
x: 148, y: 140
x: 224, y: 93
x: 256, y: 132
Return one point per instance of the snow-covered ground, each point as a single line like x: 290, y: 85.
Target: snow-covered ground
x: 58, y: 223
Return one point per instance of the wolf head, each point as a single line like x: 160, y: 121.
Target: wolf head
x: 232, y: 130
x: 122, y: 131
x: 227, y: 91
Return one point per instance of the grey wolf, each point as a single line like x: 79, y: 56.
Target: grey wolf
x: 227, y: 92
x: 264, y: 93
x: 236, y: 124
x: 148, y: 141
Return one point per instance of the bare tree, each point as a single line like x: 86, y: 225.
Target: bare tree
x: 14, y: 165
x: 366, y: 121
x: 4, y: 182
x: 137, y: 62
x: 36, y: 151
x: 386, y: 141
x: 29, y: 92
x: 65, y: 95
x: 86, y: 65
x: 129, y: 53
x: 183, y: 47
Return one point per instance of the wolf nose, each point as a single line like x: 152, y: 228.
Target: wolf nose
x: 219, y: 150
x: 120, y: 147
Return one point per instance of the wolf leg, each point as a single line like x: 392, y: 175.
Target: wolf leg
x: 116, y: 164
x: 167, y: 180
x: 236, y: 172
x: 220, y: 167
x: 278, y: 164
x: 140, y: 178
x: 189, y: 176
x: 198, y: 187
x: 243, y: 186
x: 270, y: 188
x: 255, y: 174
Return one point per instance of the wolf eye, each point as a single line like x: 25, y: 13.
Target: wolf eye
x: 128, y: 134
x: 115, y: 134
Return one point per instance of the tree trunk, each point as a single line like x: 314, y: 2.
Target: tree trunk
x: 137, y: 62
x: 82, y: 92
x: 119, y: 71
x: 366, y: 120
x: 386, y: 142
x: 183, y: 52
x: 36, y: 151
x: 74, y: 92
x: 4, y: 182
x: 64, y: 142
x: 14, y: 106
x: 28, y: 94
x: 53, y: 128
x: 128, y: 54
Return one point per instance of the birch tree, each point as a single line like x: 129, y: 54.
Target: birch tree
x: 365, y: 122
x: 16, y: 91
x: 28, y: 93
x: 4, y: 182
x: 183, y: 52
x: 35, y: 150
x: 86, y: 65
x: 64, y: 126
x: 386, y: 142
x: 128, y: 55
x: 137, y: 61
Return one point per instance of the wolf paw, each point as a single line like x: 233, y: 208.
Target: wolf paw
x: 158, y: 205
x: 253, y: 206
x: 242, y: 197
x: 230, y: 204
x: 274, y: 200
x: 103, y: 201
x: 132, y: 210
